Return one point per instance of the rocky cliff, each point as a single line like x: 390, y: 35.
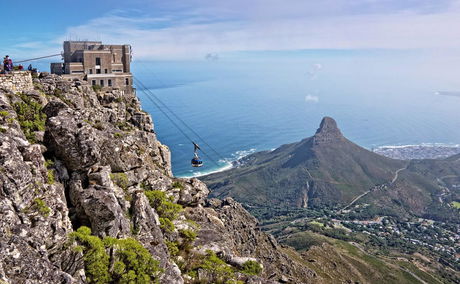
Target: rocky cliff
x: 87, y: 196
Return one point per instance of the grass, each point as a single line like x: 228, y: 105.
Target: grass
x: 421, y: 274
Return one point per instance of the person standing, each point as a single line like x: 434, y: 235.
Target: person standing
x: 10, y: 63
x: 6, y: 63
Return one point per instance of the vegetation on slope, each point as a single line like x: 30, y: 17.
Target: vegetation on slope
x: 127, y: 262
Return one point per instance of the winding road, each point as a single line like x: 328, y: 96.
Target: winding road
x: 374, y: 188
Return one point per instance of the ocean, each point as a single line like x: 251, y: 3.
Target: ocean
x: 246, y: 102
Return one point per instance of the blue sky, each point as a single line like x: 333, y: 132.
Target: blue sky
x: 190, y: 29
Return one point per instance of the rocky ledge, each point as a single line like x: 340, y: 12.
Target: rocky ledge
x: 87, y: 196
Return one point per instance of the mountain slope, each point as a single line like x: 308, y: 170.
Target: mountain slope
x: 326, y: 169
x: 329, y: 171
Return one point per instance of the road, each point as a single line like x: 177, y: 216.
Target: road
x: 374, y: 188
x: 397, y: 174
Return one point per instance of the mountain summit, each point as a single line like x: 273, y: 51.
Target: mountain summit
x: 327, y: 131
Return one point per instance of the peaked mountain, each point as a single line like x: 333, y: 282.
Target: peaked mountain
x: 328, y: 170
x: 324, y: 169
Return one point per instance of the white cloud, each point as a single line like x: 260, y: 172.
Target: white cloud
x: 311, y: 99
x: 277, y: 25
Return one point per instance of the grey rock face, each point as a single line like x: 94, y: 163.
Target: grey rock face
x: 91, y: 167
x: 34, y: 220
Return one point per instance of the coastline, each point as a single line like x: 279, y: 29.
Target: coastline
x: 418, y: 151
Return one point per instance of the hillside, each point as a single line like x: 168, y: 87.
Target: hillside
x: 326, y: 169
x: 325, y: 190
x: 329, y: 171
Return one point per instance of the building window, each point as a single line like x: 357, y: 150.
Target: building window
x: 109, y: 82
x: 102, y: 83
x: 106, y: 71
x: 98, y: 71
x: 93, y: 82
x: 90, y: 71
x: 127, y: 81
x: 98, y: 61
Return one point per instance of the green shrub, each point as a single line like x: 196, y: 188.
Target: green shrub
x: 163, y: 204
x: 172, y: 248
x: 42, y: 207
x: 177, y: 184
x: 251, y: 267
x: 166, y: 225
x: 95, y: 257
x: 49, y: 163
x: 132, y: 263
x: 120, y: 179
x: 219, y: 271
x: 4, y: 113
x: 50, y: 176
x: 2, y: 130
x: 97, y: 88
x: 188, y: 235
x: 30, y: 116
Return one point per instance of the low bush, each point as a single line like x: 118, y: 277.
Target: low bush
x: 163, y: 204
x: 30, y: 116
x: 132, y: 263
x: 120, y: 179
x: 42, y: 207
x: 251, y: 267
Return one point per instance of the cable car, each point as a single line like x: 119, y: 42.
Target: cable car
x: 196, y: 161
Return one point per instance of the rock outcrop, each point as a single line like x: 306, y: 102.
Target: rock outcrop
x: 73, y: 157
x: 327, y: 132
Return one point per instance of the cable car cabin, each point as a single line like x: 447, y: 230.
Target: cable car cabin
x: 197, y: 162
